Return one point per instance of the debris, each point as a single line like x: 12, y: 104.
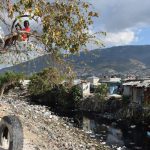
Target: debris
x: 132, y: 126
x: 43, y: 129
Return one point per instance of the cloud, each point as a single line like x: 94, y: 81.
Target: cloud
x: 121, y: 19
x: 120, y: 38
x: 117, y: 15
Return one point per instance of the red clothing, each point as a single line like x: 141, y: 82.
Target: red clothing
x: 25, y: 36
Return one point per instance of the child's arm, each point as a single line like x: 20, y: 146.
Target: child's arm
x: 18, y: 25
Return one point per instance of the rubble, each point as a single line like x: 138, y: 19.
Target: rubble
x: 43, y: 130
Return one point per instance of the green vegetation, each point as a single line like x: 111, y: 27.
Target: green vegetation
x: 44, y: 81
x: 75, y: 95
x: 126, y: 100
x: 47, y: 86
x: 64, y: 27
x: 101, y: 91
x: 60, y: 97
x: 97, y: 60
x: 9, y: 79
x: 64, y: 98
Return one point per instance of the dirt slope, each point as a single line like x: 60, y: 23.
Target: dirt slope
x: 42, y: 129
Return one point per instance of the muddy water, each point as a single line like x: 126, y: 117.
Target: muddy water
x: 117, y: 134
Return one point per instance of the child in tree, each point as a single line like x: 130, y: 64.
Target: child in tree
x: 18, y: 36
x: 24, y: 36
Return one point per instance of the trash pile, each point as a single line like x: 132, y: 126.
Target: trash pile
x: 43, y: 130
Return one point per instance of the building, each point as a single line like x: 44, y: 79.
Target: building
x: 85, y: 88
x: 141, y: 92
x: 127, y: 88
x: 137, y: 91
x: 93, y: 80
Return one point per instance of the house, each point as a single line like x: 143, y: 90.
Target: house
x: 141, y: 92
x: 127, y: 88
x: 94, y: 83
x: 138, y: 91
x: 85, y: 88
x: 93, y: 80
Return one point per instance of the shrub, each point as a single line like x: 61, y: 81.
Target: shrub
x: 58, y: 97
x: 9, y: 79
x: 126, y: 100
x: 75, y: 96
x: 44, y: 81
x: 46, y: 87
x: 101, y: 91
x: 66, y: 97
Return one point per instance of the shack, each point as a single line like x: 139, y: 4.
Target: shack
x: 127, y: 88
x: 137, y: 91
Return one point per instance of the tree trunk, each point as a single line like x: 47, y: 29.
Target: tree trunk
x: 2, y: 91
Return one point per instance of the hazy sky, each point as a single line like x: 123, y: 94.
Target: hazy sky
x: 125, y: 21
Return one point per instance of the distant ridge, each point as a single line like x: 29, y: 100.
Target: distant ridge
x: 32, y: 66
x: 120, y: 59
x: 114, y: 60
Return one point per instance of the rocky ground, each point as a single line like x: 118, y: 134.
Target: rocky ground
x: 42, y: 129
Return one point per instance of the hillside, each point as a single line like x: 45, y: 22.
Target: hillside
x: 32, y: 66
x: 121, y: 59
x: 43, y: 130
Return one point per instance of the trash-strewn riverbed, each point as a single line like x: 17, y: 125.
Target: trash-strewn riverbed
x: 119, y: 135
x: 46, y: 130
x: 43, y: 130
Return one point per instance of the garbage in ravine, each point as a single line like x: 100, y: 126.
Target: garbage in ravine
x: 42, y: 128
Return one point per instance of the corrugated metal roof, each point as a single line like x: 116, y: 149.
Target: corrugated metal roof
x: 145, y: 83
x: 131, y: 83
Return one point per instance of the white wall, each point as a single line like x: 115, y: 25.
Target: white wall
x: 85, y: 88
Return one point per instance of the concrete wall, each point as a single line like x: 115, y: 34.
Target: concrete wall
x: 85, y: 88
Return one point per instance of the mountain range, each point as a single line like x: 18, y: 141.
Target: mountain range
x: 114, y: 60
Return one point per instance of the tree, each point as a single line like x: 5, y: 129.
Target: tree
x: 44, y: 81
x: 65, y: 23
x: 101, y: 91
x: 75, y: 96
